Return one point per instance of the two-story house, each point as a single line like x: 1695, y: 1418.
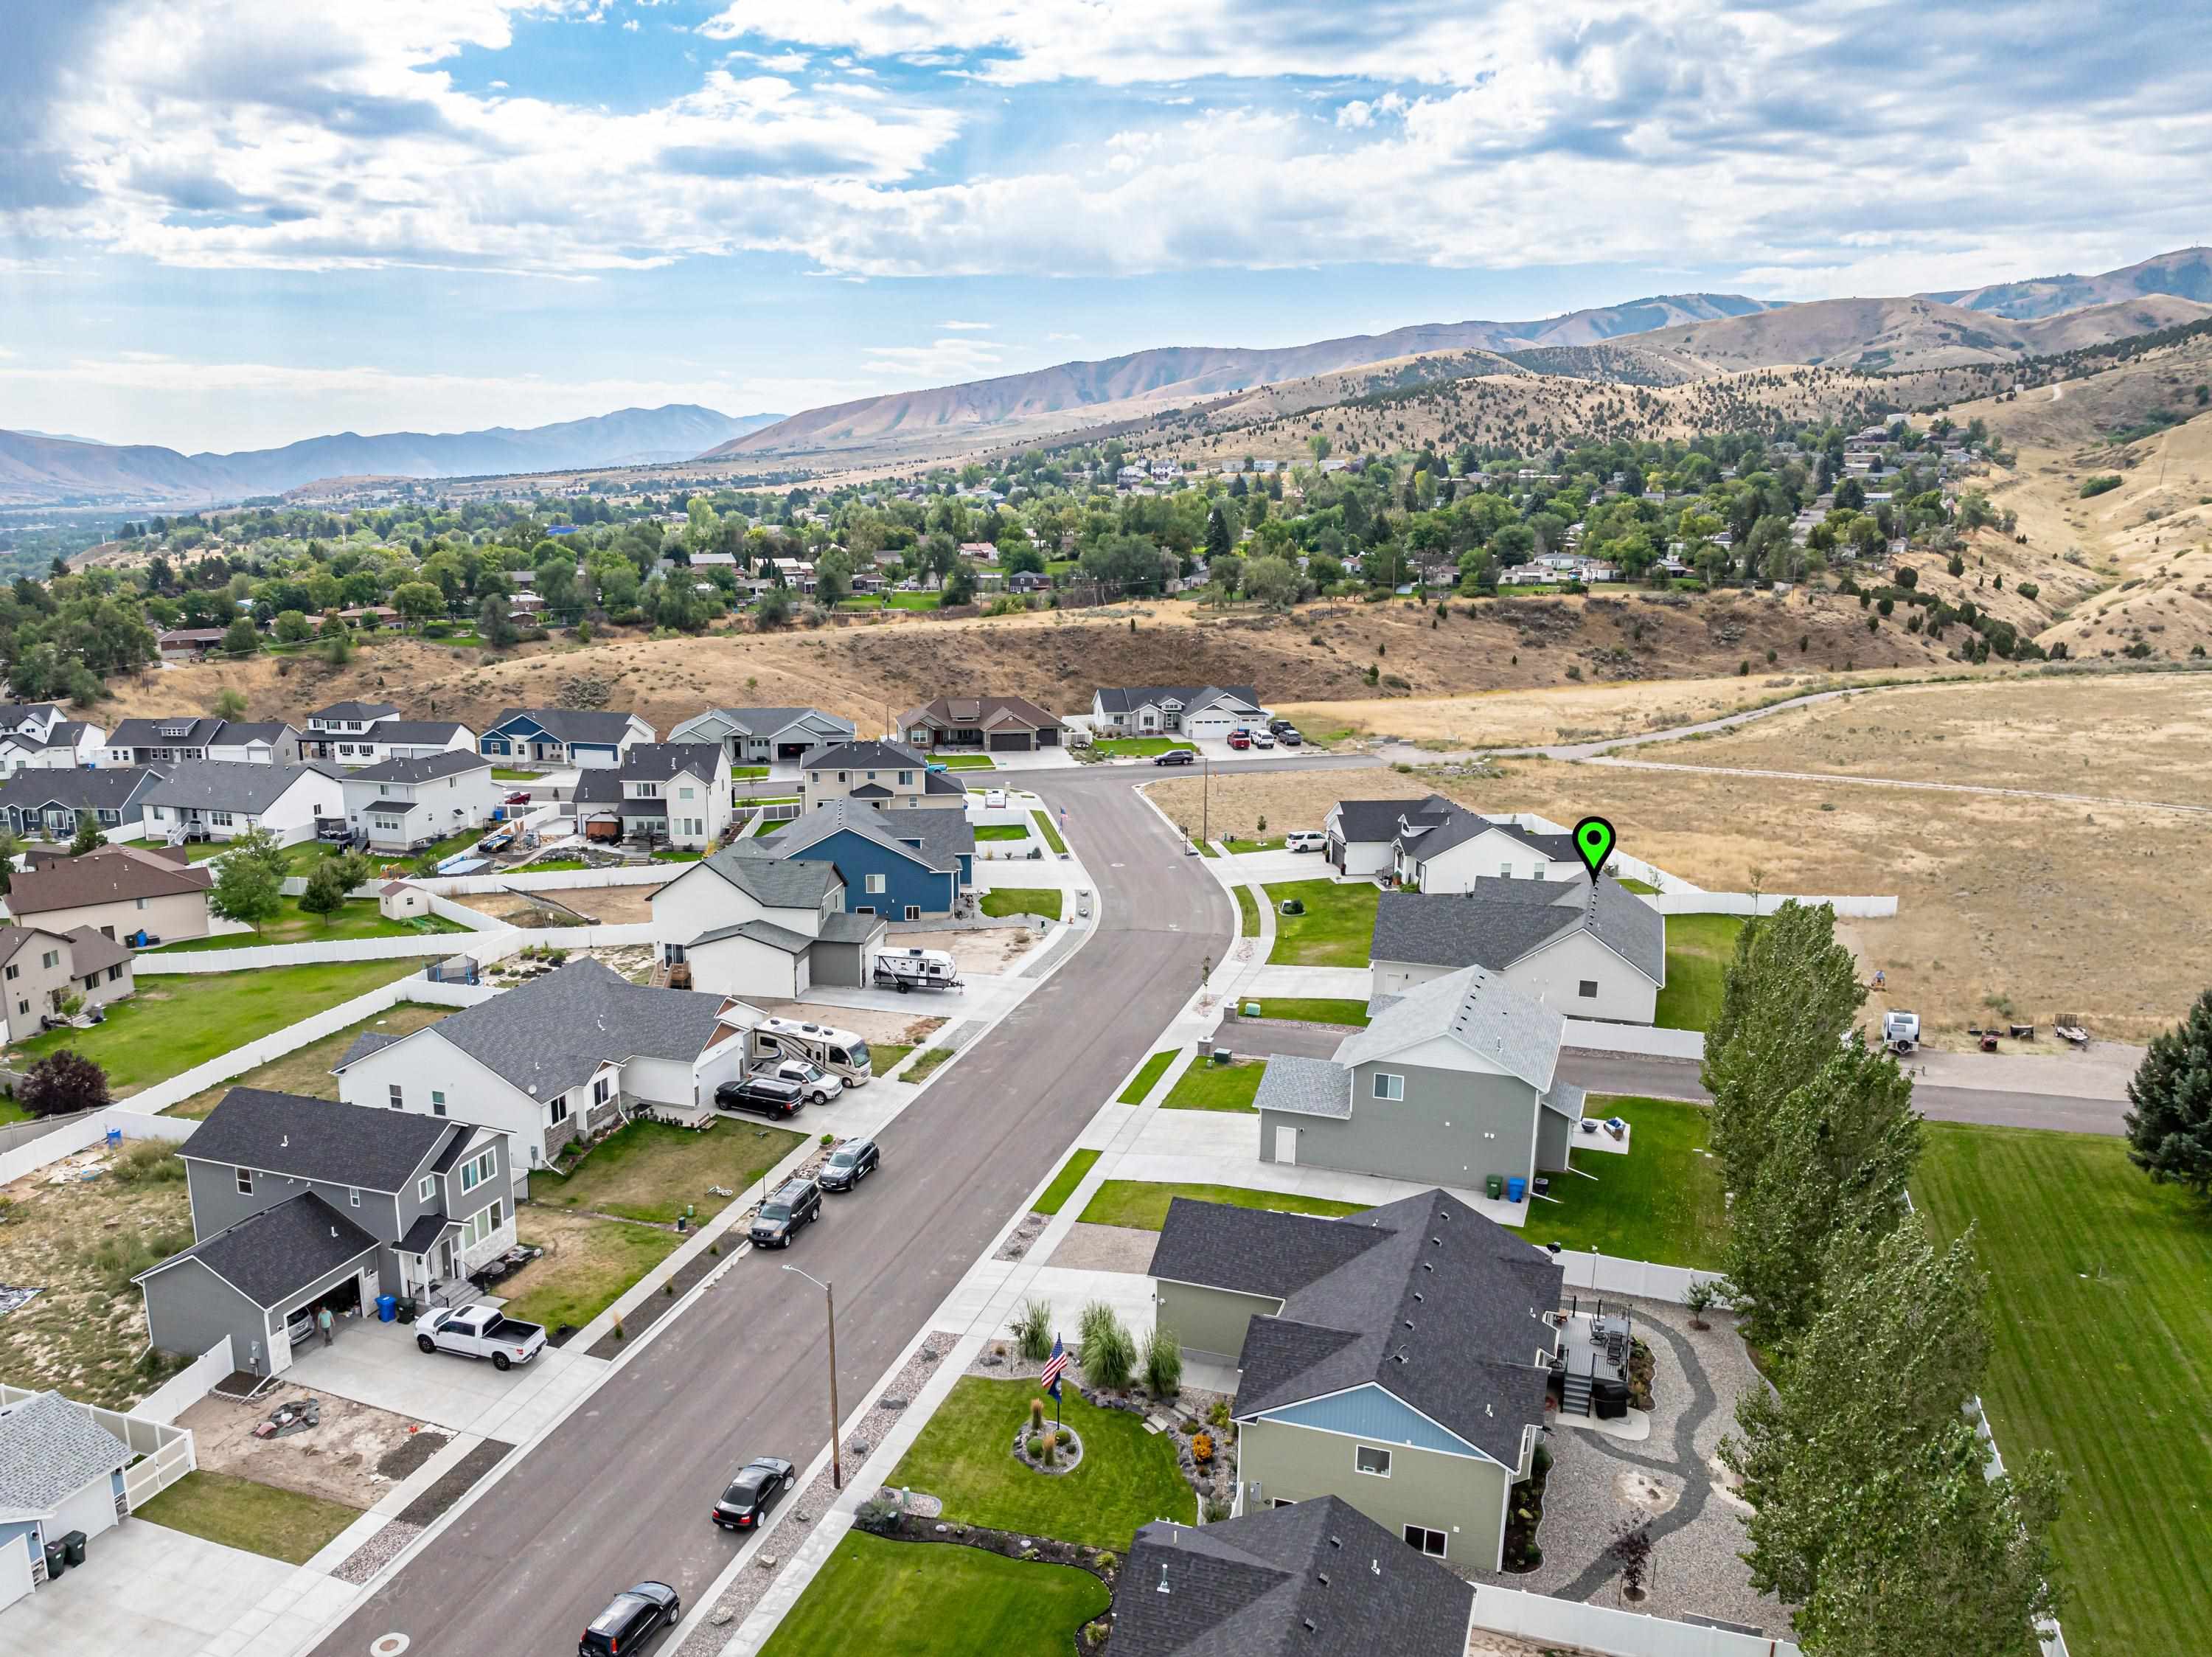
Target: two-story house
x: 664, y: 793
x: 749, y: 922
x: 161, y: 741
x: 400, y: 804
x: 1456, y: 1081
x: 202, y: 799
x: 343, y: 722
x: 1588, y: 951
x: 39, y: 967
x: 35, y: 720
x: 889, y: 775
x: 763, y: 736
x: 117, y: 891
x: 402, y: 738
x: 301, y: 1203
x: 1203, y: 711
x: 50, y: 802
x: 66, y: 745
x: 583, y: 737
x: 904, y: 865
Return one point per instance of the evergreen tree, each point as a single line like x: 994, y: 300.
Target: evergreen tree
x: 326, y: 890
x: 87, y: 836
x: 2170, y: 1129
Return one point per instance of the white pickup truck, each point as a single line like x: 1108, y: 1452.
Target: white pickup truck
x: 481, y: 1331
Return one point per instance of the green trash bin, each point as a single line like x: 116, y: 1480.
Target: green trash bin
x: 1494, y: 1186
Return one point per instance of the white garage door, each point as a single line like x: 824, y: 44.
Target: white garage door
x: 1212, y: 724
x: 91, y: 1510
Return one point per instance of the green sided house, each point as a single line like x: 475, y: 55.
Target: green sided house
x: 1397, y: 1358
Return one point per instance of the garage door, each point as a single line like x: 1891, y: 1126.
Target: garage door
x: 1010, y: 741
x: 1214, y: 725
x: 91, y: 1510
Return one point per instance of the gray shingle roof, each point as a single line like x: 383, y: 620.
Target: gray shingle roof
x: 932, y: 838
x: 1378, y: 819
x: 50, y: 1449
x: 355, y: 710
x: 867, y: 756
x: 766, y: 932
x: 422, y: 1236
x: 573, y: 724
x: 660, y: 762
x: 368, y: 1042
x: 1498, y: 922
x: 409, y: 732
x: 318, y: 1139
x: 845, y: 927
x: 1121, y: 699
x: 235, y: 732
x: 1320, y: 1576
x: 1464, y: 825
x: 113, y: 789
x: 215, y: 785
x: 1252, y: 1251
x: 193, y: 731
x: 1306, y: 1087
x: 278, y: 1252
x: 423, y: 768
x: 1476, y: 1008
x: 770, y: 879
x: 765, y: 722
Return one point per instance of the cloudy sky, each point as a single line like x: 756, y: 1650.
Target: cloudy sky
x: 227, y: 223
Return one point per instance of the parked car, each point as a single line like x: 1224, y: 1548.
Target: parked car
x: 1279, y: 726
x: 753, y: 1489
x: 1305, y: 840
x: 1239, y: 738
x: 1262, y: 740
x: 520, y: 797
x: 849, y: 1164
x: 795, y: 1204
x: 1176, y: 757
x: 1289, y: 737
x: 816, y: 1085
x: 994, y: 799
x: 636, y: 1616
x: 769, y: 1096
x: 481, y: 1331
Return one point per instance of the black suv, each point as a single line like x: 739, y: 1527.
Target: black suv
x: 849, y: 1164
x: 797, y: 1204
x: 1176, y: 757
x: 761, y: 1096
x: 753, y: 1489
x: 633, y: 1618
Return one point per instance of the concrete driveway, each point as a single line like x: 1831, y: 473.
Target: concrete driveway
x: 154, y: 1591
x: 378, y: 1363
x: 1279, y: 867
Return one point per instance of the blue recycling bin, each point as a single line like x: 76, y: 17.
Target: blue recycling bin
x: 387, y: 1307
x: 1516, y: 1188
x: 114, y: 1138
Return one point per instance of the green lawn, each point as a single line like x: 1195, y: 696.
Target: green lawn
x: 651, y: 1170
x: 1002, y: 831
x: 1217, y: 1087
x: 1138, y: 748
x: 884, y: 1056
x: 502, y: 774
x: 1002, y: 901
x: 1271, y: 843
x: 589, y: 1263
x: 913, y: 600
x: 241, y: 1513
x: 924, y: 1599
x: 298, y: 859
x: 1644, y: 888
x: 1142, y: 1204
x: 2099, y: 1283
x: 1064, y: 1183
x: 1698, y: 948
x: 1127, y: 1477
x: 1661, y: 1202
x: 1310, y: 1009
x: 1206, y: 847
x: 965, y: 762
x: 738, y: 773
x: 175, y: 1022
x: 1247, y: 913
x: 1051, y: 835
x: 677, y: 854
x: 11, y: 1112
x: 359, y: 918
x: 1148, y: 1078
x: 770, y: 824
x: 1336, y: 930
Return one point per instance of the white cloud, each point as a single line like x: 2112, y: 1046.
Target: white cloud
x: 1063, y: 336
x: 939, y: 360
x: 966, y: 326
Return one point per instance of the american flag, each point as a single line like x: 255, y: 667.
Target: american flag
x: 1054, y: 1368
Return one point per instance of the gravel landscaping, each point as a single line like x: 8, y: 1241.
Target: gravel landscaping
x: 1107, y: 1248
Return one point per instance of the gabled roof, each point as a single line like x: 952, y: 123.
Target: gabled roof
x: 409, y: 733
x: 768, y: 878
x: 276, y: 1253
x: 1496, y: 923
x: 318, y: 1139
x: 216, y: 785
x: 192, y: 730
x: 1194, y: 698
x: 114, y: 788
x: 768, y: 722
x: 362, y: 710
x: 236, y: 733
x: 599, y: 725
x: 759, y: 931
x: 92, y: 952
x: 1464, y: 825
x: 661, y: 762
x: 1381, y: 819
x: 867, y: 756
x: 1475, y: 1008
x: 1319, y: 1576
x: 422, y: 768
x: 935, y: 840
x: 50, y: 1449
x: 963, y: 711
x: 15, y: 938
x: 15, y: 715
x: 110, y: 875
x: 1306, y: 1087
x: 1252, y: 1251
x: 368, y: 1042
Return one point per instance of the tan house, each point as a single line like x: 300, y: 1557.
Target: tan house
x: 38, y: 969
x: 118, y: 892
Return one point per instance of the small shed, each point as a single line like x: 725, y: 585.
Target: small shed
x: 400, y: 900
x: 61, y: 1473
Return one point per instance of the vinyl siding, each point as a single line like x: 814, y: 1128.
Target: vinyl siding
x: 1463, y: 1497
x: 1453, y: 1127
x: 1209, y: 1321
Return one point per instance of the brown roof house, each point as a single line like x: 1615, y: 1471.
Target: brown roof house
x: 1000, y: 724
x: 118, y: 892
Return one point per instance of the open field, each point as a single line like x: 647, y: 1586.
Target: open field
x: 923, y: 1600
x: 651, y: 1170
x: 1661, y: 1202
x: 2099, y: 1282
x: 308, y: 1070
x: 2040, y: 906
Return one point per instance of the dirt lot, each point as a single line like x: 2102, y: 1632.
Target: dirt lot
x: 308, y: 1069
x: 903, y: 1028
x: 615, y: 904
x: 2003, y: 904
x: 355, y: 1456
x: 990, y: 949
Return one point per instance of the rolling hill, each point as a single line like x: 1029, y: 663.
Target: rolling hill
x: 2186, y: 273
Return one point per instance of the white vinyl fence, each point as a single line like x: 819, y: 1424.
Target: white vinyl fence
x: 1609, y: 1274
x: 91, y: 1129
x: 1540, y: 1617
x: 168, y: 1449
x: 1645, y: 1041
x: 426, y: 945
x: 1766, y: 903
x: 189, y: 1385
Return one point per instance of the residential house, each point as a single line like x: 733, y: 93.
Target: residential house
x: 1590, y: 951
x: 302, y: 1203
x: 376, y: 618
x: 889, y: 775
x: 749, y: 922
x: 980, y: 551
x: 269, y: 743
x: 582, y: 737
x: 1363, y: 834
x: 60, y: 1472
x: 576, y: 1052
x: 677, y: 793
x: 1397, y: 1358
x: 401, y: 739
x: 189, y: 643
x: 1209, y: 710
x: 1457, y: 1080
x: 205, y: 801
x: 50, y: 802
x: 161, y: 741
x: 762, y: 736
x: 66, y: 744
x: 343, y: 720
x: 906, y: 865
x: 1313, y: 1576
x: 118, y: 892
x: 40, y: 967
x: 1468, y: 846
x: 1003, y: 724
x: 401, y: 804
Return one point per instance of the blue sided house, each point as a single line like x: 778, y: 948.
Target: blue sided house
x: 592, y: 738
x: 905, y: 865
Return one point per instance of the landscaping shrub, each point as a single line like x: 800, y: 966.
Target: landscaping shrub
x: 1163, y: 1363
x: 1033, y: 1331
x: 61, y: 1083
x: 878, y: 1515
x: 148, y: 1162
x: 1110, y: 1355
x: 1201, y: 1448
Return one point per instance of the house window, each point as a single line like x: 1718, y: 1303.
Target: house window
x: 1587, y: 990
x: 139, y: 903
x: 914, y: 911
x: 246, y: 1182
x: 558, y: 1113
x: 114, y: 972
x: 437, y: 1103
x: 13, y: 972
x: 599, y: 1090
x: 477, y: 1170
x: 353, y: 1196
x: 222, y: 819
x: 1429, y: 1542
x: 1389, y: 1085
x: 52, y: 958
x: 23, y: 1007
x: 426, y: 1188
x: 686, y: 794
x: 480, y: 1225
x: 1369, y: 1460
x: 871, y: 884
x: 398, y: 1099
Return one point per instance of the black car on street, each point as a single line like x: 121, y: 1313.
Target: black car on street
x: 849, y: 1164
x: 753, y: 1489
x: 633, y: 1619
x: 1176, y: 757
x: 794, y: 1204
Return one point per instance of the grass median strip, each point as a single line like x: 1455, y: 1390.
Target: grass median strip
x: 1064, y: 1183
x: 1142, y: 1204
x: 1217, y: 1087
x: 1247, y: 913
x: 1051, y: 834
x: 242, y: 1513
x: 1147, y: 1078
x: 1310, y: 1009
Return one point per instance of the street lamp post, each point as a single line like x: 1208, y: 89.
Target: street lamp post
x: 830, y: 1305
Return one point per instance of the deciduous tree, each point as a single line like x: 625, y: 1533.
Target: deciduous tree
x: 61, y: 1084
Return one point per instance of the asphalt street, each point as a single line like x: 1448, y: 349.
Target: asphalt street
x: 621, y: 1491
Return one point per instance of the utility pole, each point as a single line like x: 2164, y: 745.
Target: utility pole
x: 1205, y: 802
x: 837, y: 1451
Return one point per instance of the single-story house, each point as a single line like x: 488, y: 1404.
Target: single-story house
x: 905, y: 865
x: 1204, y: 710
x: 60, y: 1472
x: 1456, y: 1081
x: 400, y: 739
x: 400, y: 804
x: 50, y: 802
x: 226, y: 801
x: 1363, y: 834
x: 571, y: 1054
x: 563, y: 736
x: 38, y: 966
x: 1002, y: 724
x: 299, y: 1203
x: 751, y: 922
x: 761, y: 736
x: 402, y: 900
x: 1397, y: 1358
x: 1467, y: 846
x: 677, y: 793
x: 889, y: 775
x: 189, y: 643
x: 116, y: 891
x: 1316, y: 1575
x: 1589, y: 951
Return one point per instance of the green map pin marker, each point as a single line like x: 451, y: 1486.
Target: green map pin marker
x: 1594, y: 840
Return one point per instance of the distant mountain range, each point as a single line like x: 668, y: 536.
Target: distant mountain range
x: 2185, y: 274
x: 39, y: 469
